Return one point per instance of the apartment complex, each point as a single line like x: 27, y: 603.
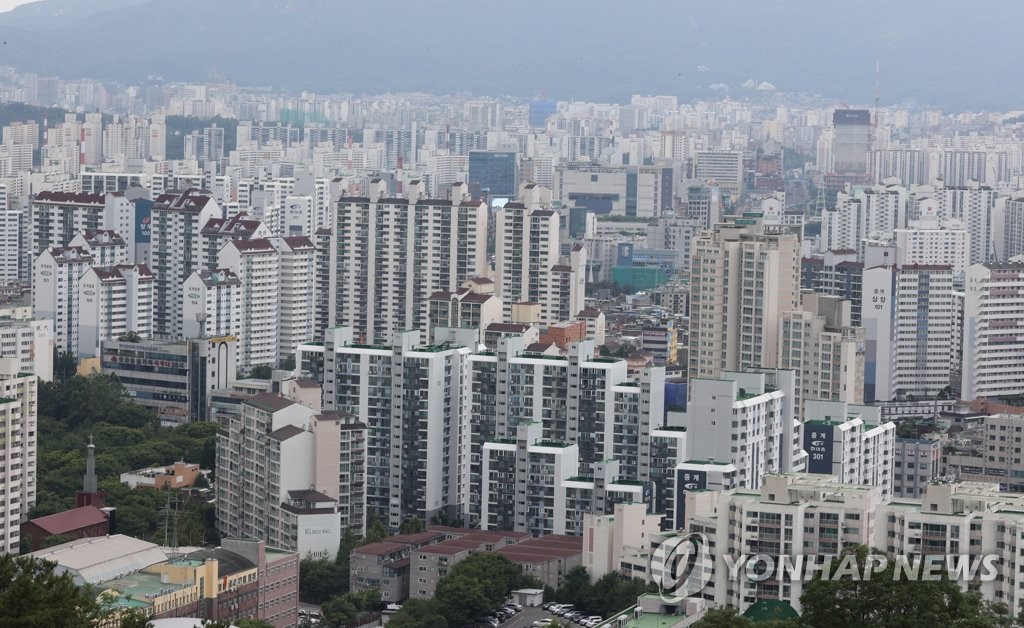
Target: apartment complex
x: 388, y: 255
x: 745, y: 274
x: 993, y: 332
x: 18, y: 414
x: 791, y: 514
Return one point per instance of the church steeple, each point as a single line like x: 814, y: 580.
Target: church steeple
x: 89, y: 480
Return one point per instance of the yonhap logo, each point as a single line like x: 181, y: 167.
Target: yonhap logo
x: 682, y: 565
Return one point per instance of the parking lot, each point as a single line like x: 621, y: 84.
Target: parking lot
x: 526, y: 618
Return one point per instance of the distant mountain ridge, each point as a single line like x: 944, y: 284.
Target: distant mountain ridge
x: 595, y: 49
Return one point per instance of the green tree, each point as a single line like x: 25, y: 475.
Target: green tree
x: 412, y: 526
x: 889, y: 600
x: 723, y: 618
x: 476, y: 586
x: 130, y: 336
x: 31, y: 594
x: 418, y: 614
x: 261, y: 372
x: 375, y: 530
x: 575, y: 587
x: 342, y: 610
x: 65, y: 365
x: 321, y: 579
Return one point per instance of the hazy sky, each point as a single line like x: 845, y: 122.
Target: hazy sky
x: 7, y: 5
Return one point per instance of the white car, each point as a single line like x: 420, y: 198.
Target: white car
x: 542, y: 622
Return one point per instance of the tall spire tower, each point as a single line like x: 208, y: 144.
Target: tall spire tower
x: 90, y: 494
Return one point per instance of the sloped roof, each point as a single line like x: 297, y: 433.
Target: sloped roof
x: 70, y: 520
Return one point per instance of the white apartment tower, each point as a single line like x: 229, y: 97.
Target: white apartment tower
x: 257, y: 264
x: 861, y: 213
x: 212, y: 304
x: 746, y: 419
x: 745, y: 274
x: 388, y: 255
x: 973, y: 204
x: 528, y: 266
x: 413, y: 400
x: 18, y: 396
x: 909, y: 325
x: 57, y: 216
x: 11, y: 250
x: 296, y: 294
x: 113, y: 300
x: 790, y: 515
x: 177, y: 220
x: 819, y: 343
x: 55, y: 291
x: 993, y: 331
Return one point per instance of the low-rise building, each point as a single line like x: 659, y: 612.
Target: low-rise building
x: 916, y: 463
x: 178, y: 475
x: 173, y: 377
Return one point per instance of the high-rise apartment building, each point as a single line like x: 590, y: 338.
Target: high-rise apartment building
x: 909, y: 328
x: 107, y: 247
x: 27, y: 340
x: 850, y: 442
x: 212, y: 304
x: 820, y: 344
x: 972, y: 203
x: 11, y: 247
x: 178, y: 219
x: 284, y: 469
x: 256, y: 263
x: 57, y: 216
x: 606, y: 416
x: 721, y: 168
x: 790, y: 515
x: 746, y: 419
x: 836, y: 273
x: 964, y: 519
x: 745, y: 274
x: 112, y: 301
x: 413, y: 400
x: 56, y: 273
x: 388, y: 255
x: 18, y: 396
x: 296, y: 293
x: 993, y: 331
x: 860, y: 213
x: 528, y: 264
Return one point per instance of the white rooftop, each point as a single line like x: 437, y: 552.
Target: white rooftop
x: 97, y: 559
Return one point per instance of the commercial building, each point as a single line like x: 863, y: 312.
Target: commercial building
x: 850, y: 141
x: 175, y: 378
x: 612, y: 190
x: 722, y: 169
x: 388, y: 255
x: 836, y: 273
x: 495, y: 174
x: 240, y: 579
x: 19, y: 394
x: 993, y: 331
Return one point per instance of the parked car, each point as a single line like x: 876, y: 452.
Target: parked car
x: 542, y: 622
